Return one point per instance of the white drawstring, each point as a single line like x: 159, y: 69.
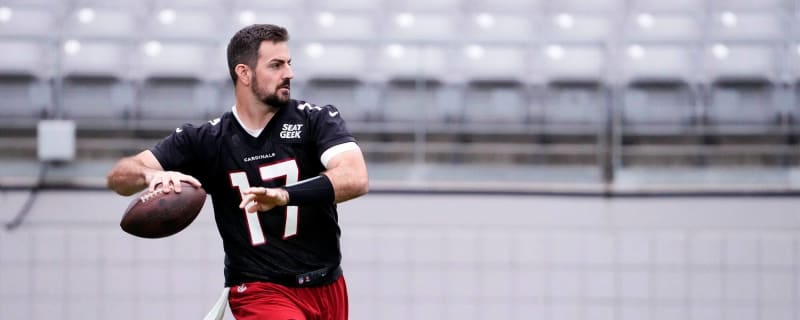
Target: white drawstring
x: 218, y: 310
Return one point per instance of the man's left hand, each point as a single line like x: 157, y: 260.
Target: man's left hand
x: 263, y: 199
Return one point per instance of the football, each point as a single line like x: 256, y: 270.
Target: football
x: 157, y: 214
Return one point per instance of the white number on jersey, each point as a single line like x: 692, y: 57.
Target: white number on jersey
x: 286, y: 169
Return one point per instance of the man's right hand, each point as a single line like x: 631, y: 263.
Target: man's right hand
x: 169, y: 180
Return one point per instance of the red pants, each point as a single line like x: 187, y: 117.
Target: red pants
x: 269, y: 301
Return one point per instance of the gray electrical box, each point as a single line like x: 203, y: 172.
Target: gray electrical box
x: 56, y: 140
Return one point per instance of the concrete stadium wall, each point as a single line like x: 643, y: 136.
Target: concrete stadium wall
x: 432, y: 257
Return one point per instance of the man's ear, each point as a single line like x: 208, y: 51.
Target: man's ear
x: 243, y: 73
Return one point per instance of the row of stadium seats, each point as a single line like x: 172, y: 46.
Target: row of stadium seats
x: 524, y: 6
x: 101, y: 21
x: 507, y: 61
x: 178, y: 38
x: 383, y: 62
x: 582, y: 106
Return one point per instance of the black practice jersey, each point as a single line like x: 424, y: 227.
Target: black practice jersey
x: 284, y: 243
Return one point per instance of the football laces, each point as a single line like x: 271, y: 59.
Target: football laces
x: 150, y: 195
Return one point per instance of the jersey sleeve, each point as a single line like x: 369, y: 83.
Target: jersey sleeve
x: 178, y: 151
x: 330, y: 129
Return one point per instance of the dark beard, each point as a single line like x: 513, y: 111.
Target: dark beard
x: 270, y: 99
x: 275, y: 101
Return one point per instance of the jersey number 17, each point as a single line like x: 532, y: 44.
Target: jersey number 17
x: 286, y: 169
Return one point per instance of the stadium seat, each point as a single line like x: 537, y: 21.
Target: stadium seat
x: 489, y: 27
x: 495, y: 102
x: 96, y: 101
x: 106, y: 23
x: 26, y: 69
x: 132, y: 6
x: 328, y: 91
x: 421, y: 27
x: 449, y: 103
x: 418, y: 73
x: 409, y: 61
x: 25, y: 99
x: 29, y: 58
x: 268, y: 5
x: 574, y: 92
x: 743, y: 102
x: 741, y: 61
x: 246, y: 15
x: 750, y: 26
x: 570, y: 62
x: 183, y: 24
x: 99, y: 59
x: 177, y: 81
x: 664, y: 27
x: 582, y: 28
x: 657, y: 91
x: 329, y: 61
x: 594, y: 6
x: 652, y: 105
x: 52, y: 4
x: 327, y: 25
x: 674, y: 6
x: 406, y: 102
x: 173, y: 60
x: 748, y: 5
x: 30, y: 22
x: 494, y: 63
x: 189, y: 4
x: 347, y: 5
x: 356, y: 100
x: 658, y: 63
x: 571, y: 103
x: 742, y: 88
x: 96, y: 83
x: 521, y: 7
x: 367, y: 103
x: 424, y: 5
x: 177, y: 100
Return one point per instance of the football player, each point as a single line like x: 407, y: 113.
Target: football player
x: 275, y: 168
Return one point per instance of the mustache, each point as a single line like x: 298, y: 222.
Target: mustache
x: 285, y: 84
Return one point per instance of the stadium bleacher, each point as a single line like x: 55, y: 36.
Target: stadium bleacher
x: 676, y: 81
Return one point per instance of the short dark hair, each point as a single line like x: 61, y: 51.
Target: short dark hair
x: 243, y: 47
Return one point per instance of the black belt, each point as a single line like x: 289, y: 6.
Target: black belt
x: 313, y: 278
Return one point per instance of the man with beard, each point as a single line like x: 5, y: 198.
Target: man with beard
x: 275, y: 169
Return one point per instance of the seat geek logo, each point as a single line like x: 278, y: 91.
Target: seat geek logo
x: 291, y: 131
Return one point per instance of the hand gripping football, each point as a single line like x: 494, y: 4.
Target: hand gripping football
x: 157, y: 214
